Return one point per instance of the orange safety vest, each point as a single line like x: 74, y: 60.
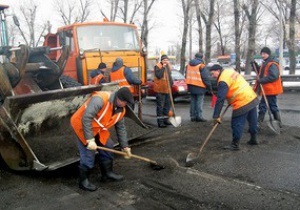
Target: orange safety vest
x: 119, y: 77
x: 239, y: 92
x: 161, y: 85
x: 193, y: 76
x: 103, y: 120
x: 96, y: 80
x: 272, y: 88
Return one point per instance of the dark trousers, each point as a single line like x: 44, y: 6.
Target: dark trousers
x: 162, y: 106
x: 87, y: 157
x: 196, y: 105
x: 272, y: 100
x: 238, y: 123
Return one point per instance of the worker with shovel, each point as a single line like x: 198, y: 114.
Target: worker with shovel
x: 162, y: 76
x: 270, y: 80
x: 240, y: 95
x: 91, y: 123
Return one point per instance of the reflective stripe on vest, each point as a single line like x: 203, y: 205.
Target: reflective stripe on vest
x: 239, y: 92
x: 105, y: 114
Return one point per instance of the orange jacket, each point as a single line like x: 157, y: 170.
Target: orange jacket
x: 272, y: 88
x: 96, y: 80
x: 101, y: 123
x: 118, y: 76
x: 240, y: 92
x: 193, y: 76
x: 161, y: 85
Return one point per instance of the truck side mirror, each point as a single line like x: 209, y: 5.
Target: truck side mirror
x: 62, y: 38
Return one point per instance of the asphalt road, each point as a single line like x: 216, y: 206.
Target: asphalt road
x: 256, y: 177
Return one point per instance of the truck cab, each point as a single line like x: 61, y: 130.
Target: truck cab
x: 94, y: 42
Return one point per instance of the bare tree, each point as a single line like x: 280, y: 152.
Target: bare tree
x: 186, y: 6
x: 200, y: 31
x: 125, y: 9
x: 145, y: 29
x: 237, y: 32
x: 31, y: 29
x: 71, y: 12
x: 114, y: 5
x: 274, y: 10
x: 222, y: 26
x: 208, y: 20
x: 252, y: 18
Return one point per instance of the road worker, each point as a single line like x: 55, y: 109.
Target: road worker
x: 162, y: 73
x: 270, y: 79
x: 97, y: 76
x: 197, y: 79
x: 91, y: 123
x: 123, y: 75
x: 240, y: 95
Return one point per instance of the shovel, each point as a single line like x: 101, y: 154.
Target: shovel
x: 154, y: 165
x: 273, y: 124
x: 174, y: 120
x: 192, y: 156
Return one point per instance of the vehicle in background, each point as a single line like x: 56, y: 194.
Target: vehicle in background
x: 287, y: 66
x: 179, y: 87
x: 224, y: 60
x: 100, y: 41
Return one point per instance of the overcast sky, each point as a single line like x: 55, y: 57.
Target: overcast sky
x: 165, y: 15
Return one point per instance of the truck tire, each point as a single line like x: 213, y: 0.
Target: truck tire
x: 68, y: 82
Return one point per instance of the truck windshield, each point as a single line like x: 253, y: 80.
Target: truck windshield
x: 107, y: 38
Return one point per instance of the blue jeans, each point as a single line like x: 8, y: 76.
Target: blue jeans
x: 238, y: 123
x: 162, y: 106
x: 196, y: 106
x: 87, y: 157
x: 272, y: 100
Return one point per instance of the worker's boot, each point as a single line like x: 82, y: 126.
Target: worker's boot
x: 277, y: 117
x: 234, y: 146
x: 161, y: 123
x: 84, y: 182
x: 107, y: 174
x: 260, y: 120
x: 253, y: 139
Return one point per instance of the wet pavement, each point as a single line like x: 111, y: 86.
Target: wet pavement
x: 256, y: 177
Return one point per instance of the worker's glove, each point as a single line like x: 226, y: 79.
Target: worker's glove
x: 127, y: 150
x: 217, y: 121
x: 91, y: 144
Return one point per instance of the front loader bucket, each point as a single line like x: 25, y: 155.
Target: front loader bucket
x: 35, y: 130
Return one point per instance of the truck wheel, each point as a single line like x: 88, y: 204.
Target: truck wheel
x: 68, y: 82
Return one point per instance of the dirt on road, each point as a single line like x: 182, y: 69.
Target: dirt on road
x: 256, y: 177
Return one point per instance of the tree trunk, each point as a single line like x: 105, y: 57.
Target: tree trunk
x: 237, y: 35
x: 208, y: 25
x: 186, y: 9
x: 200, y: 32
x: 252, y: 33
x: 291, y: 41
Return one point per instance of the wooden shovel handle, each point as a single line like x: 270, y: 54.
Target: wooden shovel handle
x: 125, y: 154
x: 212, y: 130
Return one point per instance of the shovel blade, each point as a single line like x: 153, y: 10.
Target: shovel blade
x: 191, y: 157
x: 274, y: 125
x: 175, y: 121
